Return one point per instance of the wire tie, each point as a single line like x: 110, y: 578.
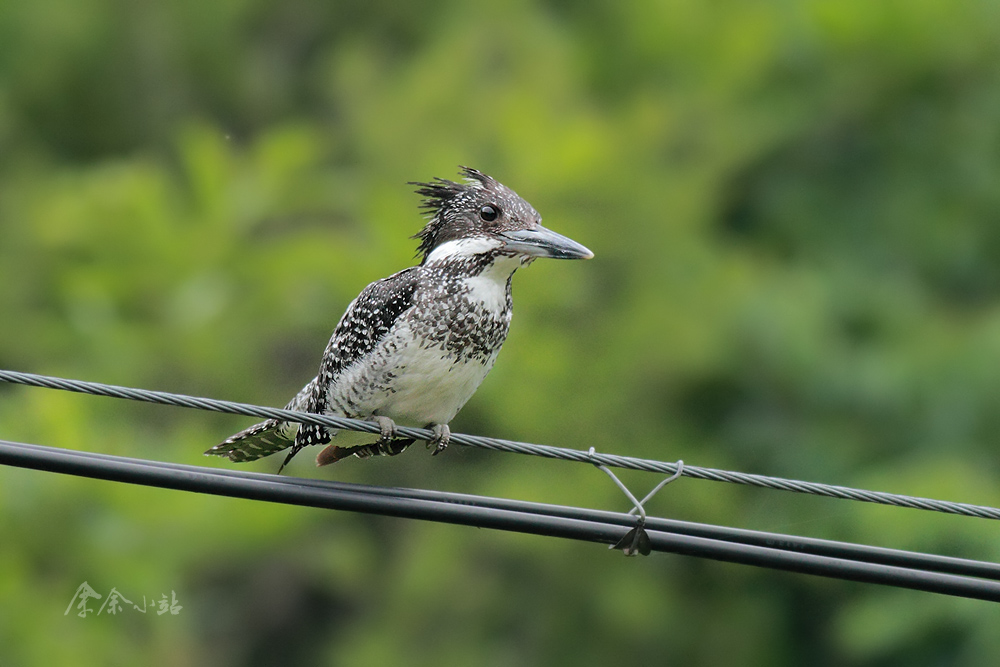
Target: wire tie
x: 656, y: 489
x: 635, y: 541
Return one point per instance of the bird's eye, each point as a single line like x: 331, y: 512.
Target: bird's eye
x: 489, y: 213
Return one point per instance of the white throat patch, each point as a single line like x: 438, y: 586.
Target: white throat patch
x: 463, y: 248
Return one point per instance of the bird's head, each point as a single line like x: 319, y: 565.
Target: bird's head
x: 482, y: 216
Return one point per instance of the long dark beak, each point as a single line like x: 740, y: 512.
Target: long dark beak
x: 541, y: 242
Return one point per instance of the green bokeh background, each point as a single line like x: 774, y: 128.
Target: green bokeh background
x: 794, y: 211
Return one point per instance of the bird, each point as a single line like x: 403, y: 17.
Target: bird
x: 412, y: 348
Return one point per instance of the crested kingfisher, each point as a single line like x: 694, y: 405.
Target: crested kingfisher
x: 413, y: 348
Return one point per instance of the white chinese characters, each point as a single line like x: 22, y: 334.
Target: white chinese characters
x: 116, y: 603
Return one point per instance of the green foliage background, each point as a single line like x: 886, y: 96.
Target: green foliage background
x: 794, y: 210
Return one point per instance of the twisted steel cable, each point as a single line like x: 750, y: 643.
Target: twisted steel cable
x: 482, y: 442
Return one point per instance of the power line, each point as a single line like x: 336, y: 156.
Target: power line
x: 839, y: 560
x: 547, y: 451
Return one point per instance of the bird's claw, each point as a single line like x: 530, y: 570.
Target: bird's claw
x: 389, y: 444
x: 442, y: 436
x: 387, y: 429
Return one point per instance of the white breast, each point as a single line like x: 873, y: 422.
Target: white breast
x: 431, y: 386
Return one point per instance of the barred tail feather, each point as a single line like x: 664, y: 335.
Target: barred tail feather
x: 256, y: 442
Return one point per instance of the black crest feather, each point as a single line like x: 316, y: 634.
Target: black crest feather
x: 438, y: 194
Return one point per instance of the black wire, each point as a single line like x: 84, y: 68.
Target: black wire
x: 821, y: 547
x: 864, y: 553
x: 856, y: 562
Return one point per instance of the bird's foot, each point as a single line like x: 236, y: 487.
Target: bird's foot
x: 387, y: 430
x: 389, y: 444
x: 442, y: 436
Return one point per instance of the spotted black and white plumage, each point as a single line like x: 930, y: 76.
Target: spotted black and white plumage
x: 413, y: 348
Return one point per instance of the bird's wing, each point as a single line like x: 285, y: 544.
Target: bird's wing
x: 368, y: 319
